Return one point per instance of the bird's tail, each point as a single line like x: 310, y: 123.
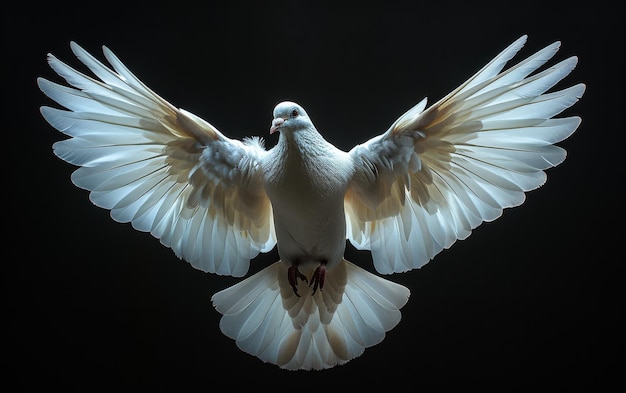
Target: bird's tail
x: 314, y: 330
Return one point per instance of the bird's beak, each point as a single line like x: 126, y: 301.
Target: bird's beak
x: 276, y: 123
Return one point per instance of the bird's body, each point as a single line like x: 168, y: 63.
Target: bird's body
x: 405, y: 195
x: 294, y: 182
x: 309, y: 184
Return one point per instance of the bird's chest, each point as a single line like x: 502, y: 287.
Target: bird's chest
x: 307, y: 195
x: 304, y: 183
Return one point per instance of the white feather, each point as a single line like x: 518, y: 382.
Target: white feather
x: 138, y: 155
x: 363, y: 307
x: 480, y: 149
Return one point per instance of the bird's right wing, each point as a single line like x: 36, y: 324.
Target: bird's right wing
x: 163, y: 169
x: 439, y: 172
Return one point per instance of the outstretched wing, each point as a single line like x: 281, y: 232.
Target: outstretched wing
x: 162, y: 169
x: 437, y: 174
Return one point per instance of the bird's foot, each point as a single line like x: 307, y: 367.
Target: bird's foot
x: 293, y: 274
x: 317, y: 279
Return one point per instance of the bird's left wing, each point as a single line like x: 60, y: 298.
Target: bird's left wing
x: 438, y: 173
x: 163, y: 169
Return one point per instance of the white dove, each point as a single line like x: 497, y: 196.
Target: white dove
x: 406, y: 194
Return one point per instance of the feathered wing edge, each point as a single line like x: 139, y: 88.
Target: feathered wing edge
x: 353, y: 312
x: 162, y: 169
x: 438, y: 173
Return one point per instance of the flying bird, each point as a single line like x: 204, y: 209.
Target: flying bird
x: 406, y: 194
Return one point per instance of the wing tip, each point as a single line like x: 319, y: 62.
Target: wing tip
x: 41, y: 81
x: 520, y: 42
x: 580, y: 89
x: 50, y: 58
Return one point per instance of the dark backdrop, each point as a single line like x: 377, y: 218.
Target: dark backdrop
x: 528, y: 300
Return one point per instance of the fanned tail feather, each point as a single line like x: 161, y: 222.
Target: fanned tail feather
x: 312, y: 331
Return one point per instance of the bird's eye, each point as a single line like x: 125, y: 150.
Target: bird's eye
x: 295, y: 113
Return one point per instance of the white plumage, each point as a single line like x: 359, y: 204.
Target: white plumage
x: 437, y: 173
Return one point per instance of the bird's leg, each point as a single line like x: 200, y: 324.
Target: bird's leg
x: 317, y: 279
x: 293, y: 274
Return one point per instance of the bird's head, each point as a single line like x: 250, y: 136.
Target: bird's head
x: 290, y: 117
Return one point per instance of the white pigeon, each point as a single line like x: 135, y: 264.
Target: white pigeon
x: 405, y: 194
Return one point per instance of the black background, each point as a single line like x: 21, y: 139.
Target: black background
x: 532, y: 299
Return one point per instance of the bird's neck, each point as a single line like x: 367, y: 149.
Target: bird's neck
x: 306, y: 162
x: 303, y: 144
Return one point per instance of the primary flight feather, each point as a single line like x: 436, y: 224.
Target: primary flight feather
x: 437, y: 173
